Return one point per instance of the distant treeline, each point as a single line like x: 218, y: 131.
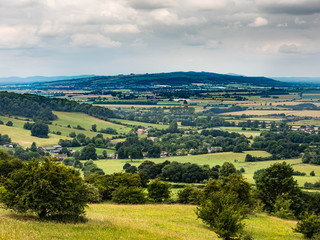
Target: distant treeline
x: 40, y: 108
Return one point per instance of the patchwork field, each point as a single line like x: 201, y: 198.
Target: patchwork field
x: 137, y: 222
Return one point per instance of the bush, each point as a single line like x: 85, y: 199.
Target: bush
x: 158, y: 190
x: 189, y: 195
x: 9, y: 124
x: 46, y: 188
x: 282, y: 208
x: 40, y: 130
x: 68, y: 161
x: 309, y: 226
x: 223, y: 213
x: 312, y: 173
x: 129, y: 195
x: 94, y: 195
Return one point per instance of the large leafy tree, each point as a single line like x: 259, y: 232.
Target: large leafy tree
x: 277, y: 181
x: 46, y: 188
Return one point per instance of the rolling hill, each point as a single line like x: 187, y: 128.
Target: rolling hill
x: 157, y: 80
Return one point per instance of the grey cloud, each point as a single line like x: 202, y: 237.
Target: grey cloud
x: 292, y: 7
x: 289, y: 49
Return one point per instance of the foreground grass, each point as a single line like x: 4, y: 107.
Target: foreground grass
x: 138, y: 222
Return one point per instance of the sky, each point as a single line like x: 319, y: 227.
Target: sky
x: 110, y: 37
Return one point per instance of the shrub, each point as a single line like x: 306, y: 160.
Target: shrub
x: 223, y: 213
x: 9, y: 124
x: 68, y: 161
x: 312, y: 173
x: 158, y: 190
x: 130, y: 195
x: 40, y: 130
x: 189, y: 195
x: 93, y: 193
x: 46, y: 188
x: 282, y: 208
x: 309, y: 226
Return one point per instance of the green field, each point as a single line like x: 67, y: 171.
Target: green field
x: 247, y: 133
x: 73, y: 119
x: 98, y: 150
x: 143, y: 124
x: 22, y: 136
x: 137, y: 222
x: 116, y: 165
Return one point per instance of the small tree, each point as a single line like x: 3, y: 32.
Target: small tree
x: 40, y: 130
x: 158, y: 190
x: 276, y: 181
x: 227, y: 169
x: 312, y: 173
x: 88, y: 152
x: 223, y: 213
x: 94, y: 127
x: 9, y: 124
x: 46, y: 188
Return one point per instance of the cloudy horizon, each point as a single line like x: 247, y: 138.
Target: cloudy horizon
x: 109, y: 37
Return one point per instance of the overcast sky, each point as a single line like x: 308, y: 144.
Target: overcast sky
x: 110, y: 37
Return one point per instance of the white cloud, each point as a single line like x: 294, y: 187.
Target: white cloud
x: 259, y: 22
x: 299, y: 21
x: 22, y: 36
x: 170, y: 18
x: 93, y: 40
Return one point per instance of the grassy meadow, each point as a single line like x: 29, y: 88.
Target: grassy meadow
x: 137, y: 222
x: 22, y: 136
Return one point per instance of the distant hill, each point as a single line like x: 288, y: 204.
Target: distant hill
x: 315, y: 80
x: 20, y: 80
x: 157, y: 80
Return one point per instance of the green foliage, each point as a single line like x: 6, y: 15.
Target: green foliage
x: 312, y: 174
x: 8, y: 164
x: 223, y: 213
x: 46, y: 188
x: 93, y: 193
x: 4, y: 139
x: 108, y: 184
x: 189, y: 195
x: 282, y: 208
x: 158, y: 190
x: 40, y: 130
x: 9, y: 124
x: 309, y: 226
x: 131, y: 169
x: 68, y: 161
x: 90, y: 167
x: 88, y: 152
x: 129, y: 195
x: 227, y: 169
x: 277, y: 181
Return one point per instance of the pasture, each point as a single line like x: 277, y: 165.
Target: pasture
x: 137, y: 222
